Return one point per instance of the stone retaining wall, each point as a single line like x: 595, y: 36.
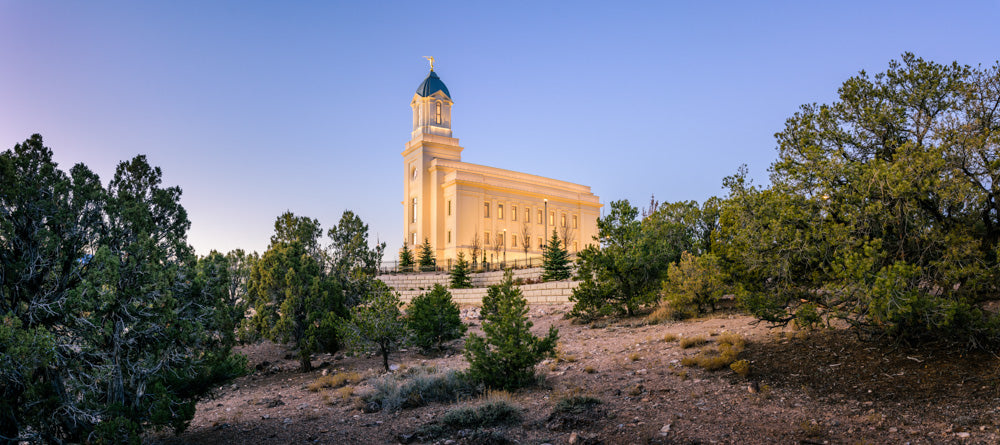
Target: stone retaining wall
x: 539, y: 293
x: 406, y: 281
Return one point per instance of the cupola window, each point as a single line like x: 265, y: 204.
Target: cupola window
x: 437, y: 114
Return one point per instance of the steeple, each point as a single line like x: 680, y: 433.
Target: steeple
x: 431, y: 106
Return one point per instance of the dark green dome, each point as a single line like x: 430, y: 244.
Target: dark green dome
x: 431, y: 85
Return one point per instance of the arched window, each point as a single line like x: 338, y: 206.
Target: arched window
x: 437, y: 114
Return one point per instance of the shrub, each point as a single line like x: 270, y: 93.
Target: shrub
x: 576, y: 404
x: 741, y: 367
x: 490, y: 413
x: 507, y: 356
x: 417, y: 388
x: 634, y: 357
x: 669, y: 337
x: 433, y: 318
x: 334, y: 381
x: 690, y: 342
x: 693, y: 285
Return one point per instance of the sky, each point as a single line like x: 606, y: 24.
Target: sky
x: 253, y: 108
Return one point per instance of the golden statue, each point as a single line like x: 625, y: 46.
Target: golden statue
x: 431, y: 60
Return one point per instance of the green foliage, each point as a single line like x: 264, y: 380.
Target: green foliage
x: 624, y: 274
x: 302, y: 293
x: 507, y: 356
x: 490, y: 413
x: 694, y: 285
x: 416, y: 388
x: 406, y: 258
x: 555, y: 260
x: 460, y: 274
x: 108, y: 328
x: 377, y: 324
x: 294, y: 298
x: 576, y: 404
x: 881, y: 210
x: 433, y: 318
x: 426, y: 258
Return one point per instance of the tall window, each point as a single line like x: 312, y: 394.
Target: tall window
x: 527, y: 214
x: 576, y: 246
x: 413, y: 210
x: 539, y: 219
x: 486, y: 210
x: 437, y: 113
x: 576, y: 222
x: 449, y: 236
x: 449, y: 208
x: 499, y: 211
x: 552, y: 219
x: 513, y: 213
x: 540, y: 244
x: 487, y: 237
x: 562, y: 220
x: 414, y: 242
x: 513, y: 240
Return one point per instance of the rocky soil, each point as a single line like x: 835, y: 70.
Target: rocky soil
x: 804, y: 387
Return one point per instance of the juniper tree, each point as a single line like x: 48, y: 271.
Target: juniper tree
x: 107, y: 329
x: 377, y: 324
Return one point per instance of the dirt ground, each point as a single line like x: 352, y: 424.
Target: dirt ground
x: 808, y: 388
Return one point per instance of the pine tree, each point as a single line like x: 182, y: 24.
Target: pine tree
x: 555, y: 261
x: 406, y: 259
x: 460, y: 273
x: 426, y: 259
x: 377, y: 324
x: 506, y: 357
x: 433, y: 318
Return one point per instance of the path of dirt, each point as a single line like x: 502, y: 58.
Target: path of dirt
x: 820, y: 387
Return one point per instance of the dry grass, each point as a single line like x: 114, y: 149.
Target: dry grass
x: 334, y: 381
x: 690, y: 342
x: 634, y: 357
x: 668, y: 337
x: 589, y: 369
x: 741, y: 367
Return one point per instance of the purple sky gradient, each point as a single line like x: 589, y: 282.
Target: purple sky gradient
x: 254, y: 108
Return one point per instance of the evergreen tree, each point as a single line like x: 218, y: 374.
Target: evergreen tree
x: 294, y: 298
x: 506, y: 357
x: 106, y: 327
x: 555, y: 260
x: 460, y: 278
x: 433, y: 318
x: 377, y: 324
x: 426, y: 259
x: 406, y: 259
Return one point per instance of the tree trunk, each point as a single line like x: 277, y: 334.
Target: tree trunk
x: 305, y: 363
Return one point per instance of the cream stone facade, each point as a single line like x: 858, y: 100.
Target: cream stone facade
x: 450, y: 202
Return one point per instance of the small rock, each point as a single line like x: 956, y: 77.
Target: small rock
x: 265, y: 416
x: 286, y: 420
x: 963, y: 435
x: 450, y: 442
x: 325, y: 372
x: 573, y: 437
x: 665, y: 430
x: 393, y: 368
x: 893, y: 429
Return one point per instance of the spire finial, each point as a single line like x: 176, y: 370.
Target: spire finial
x: 431, y: 60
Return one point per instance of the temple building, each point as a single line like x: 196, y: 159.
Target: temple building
x: 454, y: 204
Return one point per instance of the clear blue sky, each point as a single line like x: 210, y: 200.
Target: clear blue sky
x: 254, y: 108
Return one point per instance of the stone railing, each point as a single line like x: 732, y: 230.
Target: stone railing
x: 411, y: 285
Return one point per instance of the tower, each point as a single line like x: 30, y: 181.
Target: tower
x: 430, y: 139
